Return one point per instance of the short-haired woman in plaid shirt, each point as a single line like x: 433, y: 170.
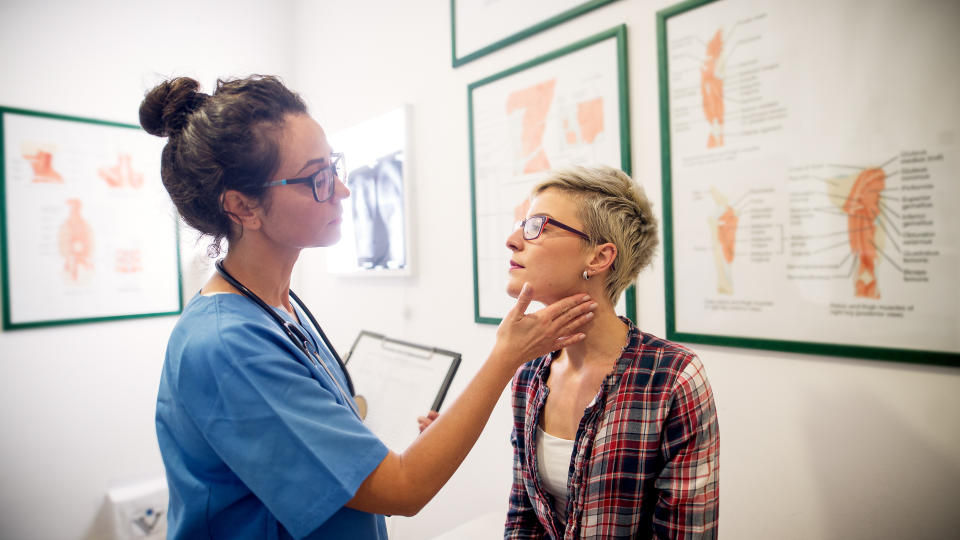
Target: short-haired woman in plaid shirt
x: 615, y: 436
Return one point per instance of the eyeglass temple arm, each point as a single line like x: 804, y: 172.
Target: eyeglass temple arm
x: 565, y: 227
x: 289, y: 181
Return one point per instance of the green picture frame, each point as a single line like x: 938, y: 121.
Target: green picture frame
x: 678, y: 193
x: 89, y: 234
x: 613, y: 148
x: 494, y: 43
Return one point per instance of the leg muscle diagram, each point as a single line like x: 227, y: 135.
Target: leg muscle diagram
x: 711, y: 88
x: 863, y: 208
x: 857, y: 244
x: 723, y: 229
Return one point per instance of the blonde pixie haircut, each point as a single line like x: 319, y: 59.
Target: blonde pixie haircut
x: 615, y: 209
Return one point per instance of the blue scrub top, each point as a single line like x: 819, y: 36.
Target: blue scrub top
x: 258, y: 442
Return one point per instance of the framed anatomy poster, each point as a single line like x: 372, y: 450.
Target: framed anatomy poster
x: 479, y: 27
x: 88, y: 231
x: 810, y: 167
x: 568, y: 107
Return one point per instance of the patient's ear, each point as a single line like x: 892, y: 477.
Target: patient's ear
x: 244, y: 211
x: 603, y: 257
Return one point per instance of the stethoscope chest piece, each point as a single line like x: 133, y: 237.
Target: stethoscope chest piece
x: 361, y: 403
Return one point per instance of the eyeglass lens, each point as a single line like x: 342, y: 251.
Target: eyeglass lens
x: 324, y: 183
x: 532, y: 227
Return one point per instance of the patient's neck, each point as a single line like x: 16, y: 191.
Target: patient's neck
x: 606, y: 336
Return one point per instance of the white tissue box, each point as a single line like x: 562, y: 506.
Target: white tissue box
x: 140, y: 510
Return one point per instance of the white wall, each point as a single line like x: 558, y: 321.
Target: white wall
x: 812, y: 447
x: 77, y: 402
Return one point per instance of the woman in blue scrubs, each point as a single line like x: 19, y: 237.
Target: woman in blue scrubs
x: 258, y: 438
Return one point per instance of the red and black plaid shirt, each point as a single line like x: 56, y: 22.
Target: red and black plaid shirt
x: 645, y: 462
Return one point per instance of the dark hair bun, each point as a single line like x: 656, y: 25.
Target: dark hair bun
x: 165, y: 109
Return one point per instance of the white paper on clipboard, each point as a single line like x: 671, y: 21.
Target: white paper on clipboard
x: 400, y: 382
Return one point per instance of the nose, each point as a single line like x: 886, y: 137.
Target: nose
x: 515, y: 239
x: 340, y: 189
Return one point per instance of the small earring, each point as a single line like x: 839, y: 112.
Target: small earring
x: 586, y: 275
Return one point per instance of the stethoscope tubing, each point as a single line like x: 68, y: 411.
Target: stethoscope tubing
x: 296, y: 335
x: 326, y: 341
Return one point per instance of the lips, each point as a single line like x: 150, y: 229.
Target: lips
x: 514, y: 265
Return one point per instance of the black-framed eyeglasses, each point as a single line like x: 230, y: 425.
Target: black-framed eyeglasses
x: 533, y: 227
x: 323, y: 181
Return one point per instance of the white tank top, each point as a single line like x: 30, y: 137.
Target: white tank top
x: 553, y: 463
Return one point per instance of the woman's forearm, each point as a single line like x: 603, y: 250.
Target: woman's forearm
x: 404, y: 483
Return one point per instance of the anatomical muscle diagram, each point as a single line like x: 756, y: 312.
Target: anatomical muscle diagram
x: 76, y: 243
x: 723, y: 234
x: 122, y: 174
x: 575, y: 125
x: 711, y: 88
x: 41, y: 161
x: 861, y: 204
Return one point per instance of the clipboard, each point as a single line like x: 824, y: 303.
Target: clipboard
x: 400, y: 381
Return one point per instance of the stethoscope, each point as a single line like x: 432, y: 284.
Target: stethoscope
x: 303, y: 342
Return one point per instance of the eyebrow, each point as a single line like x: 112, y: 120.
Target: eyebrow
x: 312, y: 162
